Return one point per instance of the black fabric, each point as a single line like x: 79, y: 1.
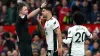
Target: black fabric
x: 25, y: 49
x: 22, y: 30
x: 70, y: 47
x: 55, y: 43
x: 55, y: 40
x: 49, y: 52
x: 54, y: 54
x: 10, y: 44
x: 24, y: 43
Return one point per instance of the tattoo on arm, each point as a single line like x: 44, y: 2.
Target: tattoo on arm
x: 59, y: 36
x: 42, y: 30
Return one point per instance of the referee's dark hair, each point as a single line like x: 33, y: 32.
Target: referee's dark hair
x: 78, y: 18
x: 20, y: 6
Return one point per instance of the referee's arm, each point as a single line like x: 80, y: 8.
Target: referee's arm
x: 33, y: 13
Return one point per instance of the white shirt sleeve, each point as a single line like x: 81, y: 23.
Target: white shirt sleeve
x: 70, y: 33
x: 55, y: 24
x: 67, y: 41
x: 88, y: 33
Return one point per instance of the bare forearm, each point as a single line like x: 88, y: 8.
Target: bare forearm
x: 42, y: 29
x: 33, y: 13
x: 59, y: 37
x: 59, y: 40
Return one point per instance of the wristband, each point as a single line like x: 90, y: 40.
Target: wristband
x: 41, y: 8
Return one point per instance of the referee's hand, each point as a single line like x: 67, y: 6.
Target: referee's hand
x: 38, y: 19
x: 43, y: 4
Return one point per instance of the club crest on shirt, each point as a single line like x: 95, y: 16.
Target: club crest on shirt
x: 69, y: 32
x: 55, y: 22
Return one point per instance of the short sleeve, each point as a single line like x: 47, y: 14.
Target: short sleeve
x: 55, y: 24
x: 87, y: 32
x: 70, y: 33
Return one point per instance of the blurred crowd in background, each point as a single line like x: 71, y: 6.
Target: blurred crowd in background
x: 62, y: 10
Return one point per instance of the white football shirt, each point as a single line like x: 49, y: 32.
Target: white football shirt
x: 51, y: 37
x: 78, y: 34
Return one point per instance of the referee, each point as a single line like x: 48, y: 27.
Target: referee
x: 24, y: 43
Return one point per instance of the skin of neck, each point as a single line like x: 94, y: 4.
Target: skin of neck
x: 20, y: 14
x: 49, y: 16
x: 43, y: 54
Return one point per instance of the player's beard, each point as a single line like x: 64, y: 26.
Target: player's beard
x: 44, y: 16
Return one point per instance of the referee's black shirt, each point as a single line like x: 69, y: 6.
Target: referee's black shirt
x: 22, y: 29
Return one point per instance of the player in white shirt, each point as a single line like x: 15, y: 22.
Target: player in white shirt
x: 77, y: 34
x: 52, y: 33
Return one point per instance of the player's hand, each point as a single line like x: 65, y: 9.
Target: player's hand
x: 43, y: 4
x: 38, y: 19
x: 59, y: 52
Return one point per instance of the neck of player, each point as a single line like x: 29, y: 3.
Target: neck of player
x: 49, y: 16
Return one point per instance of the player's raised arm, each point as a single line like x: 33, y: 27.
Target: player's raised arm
x: 40, y: 25
x: 33, y: 13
